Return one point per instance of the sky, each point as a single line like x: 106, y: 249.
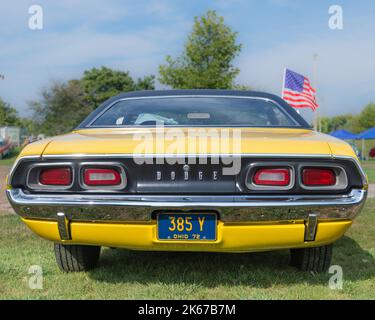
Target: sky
x: 136, y: 35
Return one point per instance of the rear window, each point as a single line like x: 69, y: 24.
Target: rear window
x: 195, y: 111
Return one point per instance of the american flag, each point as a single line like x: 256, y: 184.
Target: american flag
x: 297, y: 91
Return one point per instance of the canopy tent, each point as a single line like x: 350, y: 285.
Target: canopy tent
x: 344, y: 135
x: 347, y: 135
x: 366, y: 135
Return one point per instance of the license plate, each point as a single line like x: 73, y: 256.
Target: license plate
x: 192, y: 227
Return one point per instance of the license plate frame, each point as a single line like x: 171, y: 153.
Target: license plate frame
x: 208, y: 232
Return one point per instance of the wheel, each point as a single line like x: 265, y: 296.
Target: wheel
x: 312, y: 259
x: 73, y: 258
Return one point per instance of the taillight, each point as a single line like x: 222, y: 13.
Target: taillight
x: 102, y: 177
x: 318, y: 177
x: 272, y: 177
x: 55, y: 176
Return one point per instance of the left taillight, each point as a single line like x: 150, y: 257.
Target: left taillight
x: 56, y: 176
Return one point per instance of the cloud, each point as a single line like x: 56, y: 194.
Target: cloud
x: 65, y: 48
x: 137, y: 35
x: 344, y: 75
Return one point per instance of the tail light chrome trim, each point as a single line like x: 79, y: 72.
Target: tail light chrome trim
x: 341, y: 177
x: 33, y: 180
x: 276, y: 165
x: 102, y: 165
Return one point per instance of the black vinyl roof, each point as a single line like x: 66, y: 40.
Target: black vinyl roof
x: 197, y: 92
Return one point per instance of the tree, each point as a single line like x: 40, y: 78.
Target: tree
x: 8, y: 115
x: 207, y: 59
x: 104, y: 83
x: 335, y: 123
x: 61, y: 107
x: 354, y: 123
x: 366, y: 119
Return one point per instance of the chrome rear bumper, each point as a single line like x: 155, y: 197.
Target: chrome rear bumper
x: 240, y: 208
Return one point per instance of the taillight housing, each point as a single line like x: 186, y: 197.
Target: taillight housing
x: 102, y: 177
x: 272, y: 177
x: 56, y: 176
x: 318, y: 177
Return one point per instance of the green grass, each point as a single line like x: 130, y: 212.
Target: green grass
x: 9, y: 159
x: 124, y: 274
x: 369, y: 168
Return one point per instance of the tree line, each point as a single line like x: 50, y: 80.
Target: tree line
x: 205, y: 62
x: 353, y: 123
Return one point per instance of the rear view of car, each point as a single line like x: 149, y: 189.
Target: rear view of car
x: 200, y: 170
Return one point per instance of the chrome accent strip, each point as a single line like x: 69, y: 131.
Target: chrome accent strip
x: 252, y: 169
x: 341, y: 176
x: 17, y: 162
x: 187, y: 155
x: 167, y: 155
x: 89, y: 125
x: 230, y: 208
x: 311, y: 225
x: 49, y: 188
x: 254, y: 155
x: 63, y: 226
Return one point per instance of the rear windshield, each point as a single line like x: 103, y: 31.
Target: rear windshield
x: 195, y: 111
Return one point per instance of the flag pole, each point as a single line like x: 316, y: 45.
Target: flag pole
x: 316, y: 116
x: 283, y: 83
x: 363, y: 150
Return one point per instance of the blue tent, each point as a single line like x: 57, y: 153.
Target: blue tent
x: 344, y: 135
x: 367, y: 135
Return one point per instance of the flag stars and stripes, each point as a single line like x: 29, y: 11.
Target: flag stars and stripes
x: 298, y: 92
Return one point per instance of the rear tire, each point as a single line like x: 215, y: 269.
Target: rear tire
x: 75, y: 258
x: 316, y: 259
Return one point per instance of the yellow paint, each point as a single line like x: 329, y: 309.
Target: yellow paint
x: 230, y: 237
x: 253, y: 140
x: 35, y: 149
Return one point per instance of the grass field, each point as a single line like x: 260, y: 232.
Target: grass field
x: 369, y: 167
x: 124, y: 274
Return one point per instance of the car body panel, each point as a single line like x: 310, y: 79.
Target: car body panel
x: 79, y: 225
x: 231, y: 237
x: 253, y: 141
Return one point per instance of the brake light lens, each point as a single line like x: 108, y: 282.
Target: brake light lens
x: 56, y: 176
x: 318, y: 177
x: 101, y: 177
x: 272, y: 177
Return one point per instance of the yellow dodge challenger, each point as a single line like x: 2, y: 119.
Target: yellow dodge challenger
x: 189, y: 170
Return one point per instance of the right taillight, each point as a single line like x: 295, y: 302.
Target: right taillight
x: 318, y: 177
